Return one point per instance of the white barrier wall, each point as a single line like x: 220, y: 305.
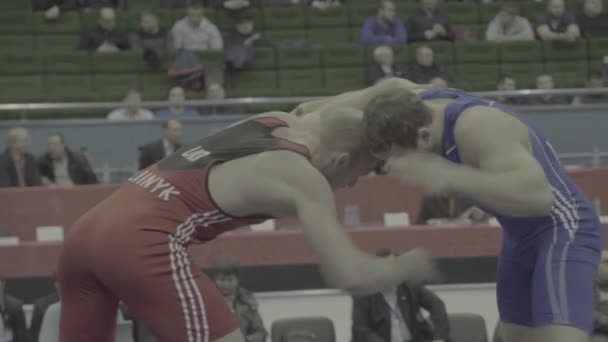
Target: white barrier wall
x: 473, y: 298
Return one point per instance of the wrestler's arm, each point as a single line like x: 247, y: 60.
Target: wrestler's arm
x: 288, y: 185
x: 506, y: 179
x: 359, y: 99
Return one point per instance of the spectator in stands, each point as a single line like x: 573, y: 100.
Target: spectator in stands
x: 545, y: 82
x: 232, y: 6
x: 104, y: 37
x: 132, y: 109
x: 241, y: 302
x: 600, y: 313
x: 13, y: 316
x: 593, y: 21
x: 41, y: 305
x: 595, y: 81
x: 385, y: 27
x: 448, y: 208
x: 507, y: 83
x: 62, y: 166
x: 151, y: 40
x: 395, y: 314
x: 438, y: 82
x: 383, y: 65
x: 53, y: 9
x: 49, y: 330
x: 241, y: 42
x: 155, y: 151
x: 177, y: 109
x: 323, y: 5
x: 215, y: 91
x: 556, y: 24
x: 18, y: 168
x: 509, y: 26
x: 195, y: 32
x: 424, y: 69
x: 429, y: 23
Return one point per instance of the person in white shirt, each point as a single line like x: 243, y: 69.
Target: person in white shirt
x: 195, y: 32
x: 49, y: 331
x: 132, y: 109
x: 508, y: 26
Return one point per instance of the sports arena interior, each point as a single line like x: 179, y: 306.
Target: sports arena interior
x: 92, y: 91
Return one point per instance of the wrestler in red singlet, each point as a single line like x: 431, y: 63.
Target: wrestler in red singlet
x: 132, y: 247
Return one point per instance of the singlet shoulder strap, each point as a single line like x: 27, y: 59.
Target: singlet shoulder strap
x: 283, y: 144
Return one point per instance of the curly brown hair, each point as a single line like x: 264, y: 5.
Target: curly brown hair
x: 394, y: 120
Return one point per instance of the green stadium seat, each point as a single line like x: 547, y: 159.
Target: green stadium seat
x: 143, y: 5
x: 68, y: 23
x: 61, y: 88
x: 112, y: 88
x: 329, y: 37
x: 333, y: 17
x: 292, y: 17
x: 253, y: 79
x: 343, y: 57
x: 598, y: 48
x: 300, y: 78
x: 299, y: 58
x: 402, y: 56
x: 355, y: 35
x: 344, y: 79
x: 531, y: 9
x: 66, y: 62
x: 443, y: 52
x: 164, y: 16
x: 278, y: 37
x: 155, y: 87
x: 227, y: 21
x: 477, y: 77
x: 515, y: 52
x: 474, y: 52
x: 16, y: 6
x: 568, y: 74
x: 17, y: 62
x: 21, y: 89
x: 17, y: 42
x: 358, y: 14
x: 59, y: 43
x: 89, y: 20
x: 565, y: 52
x: 462, y: 12
x: 524, y: 73
x: 15, y: 22
x: 124, y: 61
x: 264, y: 58
x: 405, y: 9
x: 212, y: 59
x: 488, y: 11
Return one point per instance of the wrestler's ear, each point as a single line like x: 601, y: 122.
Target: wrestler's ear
x: 341, y: 159
x: 425, y: 139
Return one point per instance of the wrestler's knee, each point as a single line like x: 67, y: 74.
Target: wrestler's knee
x: 560, y: 333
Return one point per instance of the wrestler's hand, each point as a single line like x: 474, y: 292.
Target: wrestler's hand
x: 419, y: 266
x: 428, y: 170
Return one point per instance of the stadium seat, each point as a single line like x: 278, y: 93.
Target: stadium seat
x: 17, y: 42
x: 487, y: 12
x: 334, y: 17
x: 598, y: 49
x: 292, y: 17
x: 402, y: 56
x: 59, y: 43
x: 212, y: 59
x: 524, y: 73
x: 475, y: 52
x: 532, y: 9
x: 443, y: 51
x: 360, y: 12
x: 155, y: 87
x: 61, y: 88
x: 565, y: 52
x: 16, y: 6
x: 344, y: 79
x: 570, y: 74
x: 164, y: 16
x: 226, y: 21
x: 406, y: 8
x: 19, y: 62
x: 515, y: 52
x: 68, y: 23
x: 467, y: 328
x: 477, y: 77
x: 303, y: 329
x: 16, y: 22
x: 329, y: 37
x: 21, y: 89
x: 66, y: 62
x: 264, y: 58
x: 253, y: 79
x: 299, y: 58
x: 280, y: 37
x: 462, y: 12
x: 142, y: 5
x: 89, y: 20
x: 300, y: 78
x: 344, y: 56
x: 125, y: 61
x: 113, y: 88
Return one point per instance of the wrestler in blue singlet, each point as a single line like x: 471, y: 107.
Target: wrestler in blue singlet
x: 547, y: 265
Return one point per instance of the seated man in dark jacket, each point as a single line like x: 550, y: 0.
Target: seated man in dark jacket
x: 11, y: 311
x: 104, y: 37
x: 155, y: 151
x: 40, y: 307
x: 395, y: 315
x: 61, y: 166
x: 18, y: 167
x: 425, y: 68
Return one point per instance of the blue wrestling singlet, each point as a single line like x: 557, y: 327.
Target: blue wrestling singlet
x: 547, y: 265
